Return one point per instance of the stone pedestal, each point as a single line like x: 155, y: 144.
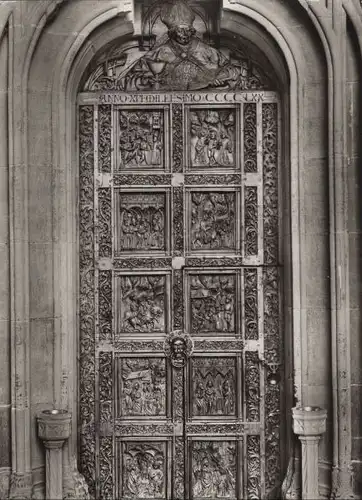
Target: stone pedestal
x: 54, y: 430
x: 309, y: 423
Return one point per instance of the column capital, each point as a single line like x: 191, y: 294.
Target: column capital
x: 309, y: 421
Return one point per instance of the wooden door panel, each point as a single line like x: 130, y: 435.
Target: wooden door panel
x: 179, y: 231
x: 214, y: 387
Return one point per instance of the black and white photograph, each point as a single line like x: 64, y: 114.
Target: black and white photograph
x: 180, y: 249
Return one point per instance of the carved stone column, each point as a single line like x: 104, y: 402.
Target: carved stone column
x: 309, y: 423
x: 54, y: 430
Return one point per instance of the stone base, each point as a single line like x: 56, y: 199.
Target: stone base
x: 4, y: 483
x: 21, y: 486
x: 75, y: 486
x: 342, y: 485
x: 291, y: 489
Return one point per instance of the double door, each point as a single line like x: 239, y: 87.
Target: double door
x: 180, y: 340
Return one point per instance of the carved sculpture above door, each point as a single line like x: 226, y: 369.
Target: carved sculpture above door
x: 179, y: 278
x: 176, y: 52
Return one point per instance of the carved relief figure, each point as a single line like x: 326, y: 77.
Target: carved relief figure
x: 143, y: 470
x: 212, y: 138
x: 141, y: 139
x: 214, y: 469
x: 142, y: 222
x: 213, y: 382
x: 142, y: 307
x: 143, y: 387
x: 212, y: 303
x: 213, y: 221
x: 182, y: 61
x: 178, y: 347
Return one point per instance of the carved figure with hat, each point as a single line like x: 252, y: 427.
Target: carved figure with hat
x: 182, y: 61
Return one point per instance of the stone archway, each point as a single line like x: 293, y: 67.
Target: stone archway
x: 70, y: 62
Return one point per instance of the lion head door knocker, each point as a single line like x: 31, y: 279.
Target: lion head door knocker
x: 178, y: 347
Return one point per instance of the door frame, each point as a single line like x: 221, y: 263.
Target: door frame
x: 65, y: 153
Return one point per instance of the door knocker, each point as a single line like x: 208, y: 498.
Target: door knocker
x: 178, y: 347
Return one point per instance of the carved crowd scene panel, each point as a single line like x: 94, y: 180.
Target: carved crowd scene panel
x: 142, y: 387
x: 214, y: 469
x: 212, y: 307
x: 142, y: 222
x: 212, y: 137
x: 213, y: 221
x: 143, y: 470
x: 142, y: 303
x: 180, y: 268
x: 213, y: 389
x: 142, y: 139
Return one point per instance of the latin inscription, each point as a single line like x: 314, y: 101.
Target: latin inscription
x: 186, y: 97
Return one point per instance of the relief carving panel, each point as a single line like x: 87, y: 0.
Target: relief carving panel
x: 178, y: 220
x: 142, y: 387
x: 214, y: 466
x: 212, y: 142
x: 87, y: 295
x: 250, y: 138
x: 106, y: 468
x: 213, y: 224
x: 104, y: 138
x: 179, y: 470
x: 272, y: 337
x: 141, y: 303
x: 105, y: 306
x: 141, y: 139
x: 252, y: 386
x: 144, y: 471
x: 105, y: 222
x: 177, y: 138
x: 251, y: 311
x: 251, y: 221
x: 270, y: 182
x: 178, y: 299
x: 141, y: 225
x: 106, y: 386
x: 253, y: 467
x: 212, y: 303
x: 213, y: 386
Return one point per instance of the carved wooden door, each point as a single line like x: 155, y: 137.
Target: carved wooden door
x: 180, y: 341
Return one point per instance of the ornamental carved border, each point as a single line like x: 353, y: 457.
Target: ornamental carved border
x: 104, y: 138
x: 87, y: 296
x: 270, y: 182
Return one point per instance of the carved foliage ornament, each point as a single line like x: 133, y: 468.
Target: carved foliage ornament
x: 87, y: 295
x: 179, y: 60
